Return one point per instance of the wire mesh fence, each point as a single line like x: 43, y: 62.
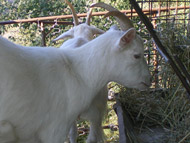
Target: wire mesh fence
x: 166, y: 105
x: 171, y: 21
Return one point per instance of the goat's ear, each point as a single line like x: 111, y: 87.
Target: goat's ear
x: 127, y: 37
x: 114, y: 27
x: 68, y: 34
x: 97, y: 30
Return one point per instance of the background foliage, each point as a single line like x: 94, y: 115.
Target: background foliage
x: 29, y: 33
x: 166, y: 106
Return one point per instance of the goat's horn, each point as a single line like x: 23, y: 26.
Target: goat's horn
x: 89, y: 16
x: 103, y: 5
x: 122, y: 19
x: 75, y: 18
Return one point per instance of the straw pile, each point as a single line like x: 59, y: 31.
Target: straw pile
x: 162, y: 114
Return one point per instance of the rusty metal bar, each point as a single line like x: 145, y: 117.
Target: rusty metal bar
x: 160, y: 47
x: 126, y: 130
x: 173, y: 15
x: 81, y: 15
x: 43, y: 34
x: 184, y: 12
x: 181, y: 65
x: 176, y: 7
x: 52, y: 18
x: 170, y: 19
x: 49, y: 22
x: 159, y: 9
x: 34, y: 20
x: 135, y: 15
x: 164, y: 1
x: 111, y: 127
x: 168, y: 14
x: 58, y: 22
x: 123, y: 138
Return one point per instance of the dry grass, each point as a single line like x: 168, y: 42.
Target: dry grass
x: 169, y: 109
x: 166, y: 105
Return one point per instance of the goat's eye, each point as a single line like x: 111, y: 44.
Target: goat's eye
x: 137, y: 56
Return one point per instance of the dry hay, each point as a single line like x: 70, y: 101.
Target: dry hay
x: 159, y: 111
x: 162, y: 114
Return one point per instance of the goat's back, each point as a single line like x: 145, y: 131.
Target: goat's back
x: 30, y: 78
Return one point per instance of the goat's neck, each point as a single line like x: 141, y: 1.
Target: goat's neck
x: 91, y: 63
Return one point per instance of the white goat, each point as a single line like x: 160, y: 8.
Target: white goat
x: 81, y: 34
x: 44, y: 90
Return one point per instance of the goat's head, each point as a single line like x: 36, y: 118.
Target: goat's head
x: 83, y: 30
x: 128, y: 54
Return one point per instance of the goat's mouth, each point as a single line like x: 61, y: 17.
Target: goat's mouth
x: 144, y: 86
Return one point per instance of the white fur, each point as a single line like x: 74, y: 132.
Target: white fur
x: 82, y: 34
x: 44, y: 90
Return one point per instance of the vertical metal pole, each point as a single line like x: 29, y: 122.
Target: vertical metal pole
x: 155, y: 57
x: 176, y: 10
x: 126, y: 130
x: 184, y: 14
x: 188, y: 24
x: 167, y: 12
x: 159, y: 10
x: 123, y: 138
x: 43, y: 34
